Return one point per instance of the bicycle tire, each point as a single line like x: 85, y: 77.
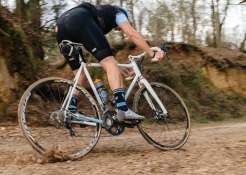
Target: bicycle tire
x: 164, y: 132
x: 40, y: 120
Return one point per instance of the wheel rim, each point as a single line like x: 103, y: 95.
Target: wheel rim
x: 165, y: 132
x: 41, y: 106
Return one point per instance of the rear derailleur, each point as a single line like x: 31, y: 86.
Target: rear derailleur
x: 57, y: 120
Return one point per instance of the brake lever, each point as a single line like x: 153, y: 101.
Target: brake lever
x: 164, y: 48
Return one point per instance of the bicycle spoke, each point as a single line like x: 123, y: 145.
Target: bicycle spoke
x: 51, y: 92
x: 43, y: 124
x: 47, y: 99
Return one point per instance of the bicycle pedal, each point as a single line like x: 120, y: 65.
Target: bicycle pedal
x: 82, y: 125
x: 130, y: 121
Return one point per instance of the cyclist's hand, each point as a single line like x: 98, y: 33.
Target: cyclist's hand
x: 130, y: 76
x: 159, y: 55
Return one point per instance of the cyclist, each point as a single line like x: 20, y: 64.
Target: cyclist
x: 87, y: 24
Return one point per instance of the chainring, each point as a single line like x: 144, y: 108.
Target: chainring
x: 109, y: 123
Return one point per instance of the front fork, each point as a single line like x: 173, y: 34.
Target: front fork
x: 144, y: 83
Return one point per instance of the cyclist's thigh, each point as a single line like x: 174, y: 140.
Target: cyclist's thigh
x: 83, y: 26
x: 62, y: 34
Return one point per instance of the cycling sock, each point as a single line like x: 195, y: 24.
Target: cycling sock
x: 119, y: 97
x: 73, y: 103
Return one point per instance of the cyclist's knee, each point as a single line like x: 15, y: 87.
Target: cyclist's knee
x: 108, y: 62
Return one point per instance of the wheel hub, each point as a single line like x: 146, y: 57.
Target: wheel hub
x: 57, y: 118
x: 159, y: 117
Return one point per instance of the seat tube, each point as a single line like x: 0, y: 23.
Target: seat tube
x: 71, y: 90
x: 93, y: 87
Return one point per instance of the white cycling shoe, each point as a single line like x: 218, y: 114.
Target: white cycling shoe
x: 128, y: 115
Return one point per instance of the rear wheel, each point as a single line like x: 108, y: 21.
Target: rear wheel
x: 164, y: 132
x: 41, y: 119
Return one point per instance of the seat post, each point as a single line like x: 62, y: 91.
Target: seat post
x: 80, y: 59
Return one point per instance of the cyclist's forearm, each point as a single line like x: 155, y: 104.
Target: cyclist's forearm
x: 137, y: 39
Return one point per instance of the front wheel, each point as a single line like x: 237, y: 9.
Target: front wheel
x: 165, y: 132
x: 42, y: 119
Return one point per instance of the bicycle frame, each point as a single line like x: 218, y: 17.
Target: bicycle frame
x: 138, y: 77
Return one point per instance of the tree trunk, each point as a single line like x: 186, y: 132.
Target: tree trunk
x: 242, y: 46
x: 35, y: 13
x: 20, y: 9
x: 193, y: 13
x: 217, y: 24
x: 222, y: 23
x: 242, y: 1
x: 181, y: 10
x: 130, y: 5
x: 22, y: 50
x: 213, y: 16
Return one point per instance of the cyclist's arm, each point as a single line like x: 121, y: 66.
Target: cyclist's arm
x: 137, y: 39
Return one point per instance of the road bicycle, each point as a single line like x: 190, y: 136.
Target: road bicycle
x: 50, y: 128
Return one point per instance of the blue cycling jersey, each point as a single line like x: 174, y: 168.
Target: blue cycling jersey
x: 120, y: 17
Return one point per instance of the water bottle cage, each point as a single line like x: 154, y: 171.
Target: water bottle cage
x: 103, y: 95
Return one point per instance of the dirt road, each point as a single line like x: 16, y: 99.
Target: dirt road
x: 211, y: 149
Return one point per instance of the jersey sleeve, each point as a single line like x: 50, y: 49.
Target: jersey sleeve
x: 120, y: 17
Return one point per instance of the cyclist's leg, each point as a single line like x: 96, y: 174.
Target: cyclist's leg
x: 113, y: 73
x: 126, y: 72
x: 74, y: 64
x: 82, y: 79
x: 115, y: 81
x: 95, y: 42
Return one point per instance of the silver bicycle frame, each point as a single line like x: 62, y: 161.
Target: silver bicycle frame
x: 138, y: 77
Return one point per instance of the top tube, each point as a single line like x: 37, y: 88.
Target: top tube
x: 130, y: 65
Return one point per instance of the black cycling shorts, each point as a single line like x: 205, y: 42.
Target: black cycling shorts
x: 77, y: 25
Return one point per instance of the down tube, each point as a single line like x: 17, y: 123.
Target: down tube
x: 152, y: 92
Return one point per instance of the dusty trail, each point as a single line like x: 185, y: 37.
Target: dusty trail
x: 211, y: 149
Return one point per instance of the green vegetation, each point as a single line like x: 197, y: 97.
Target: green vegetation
x: 203, y: 101
x: 27, y: 35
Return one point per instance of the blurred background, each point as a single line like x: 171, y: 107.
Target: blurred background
x: 206, y: 40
